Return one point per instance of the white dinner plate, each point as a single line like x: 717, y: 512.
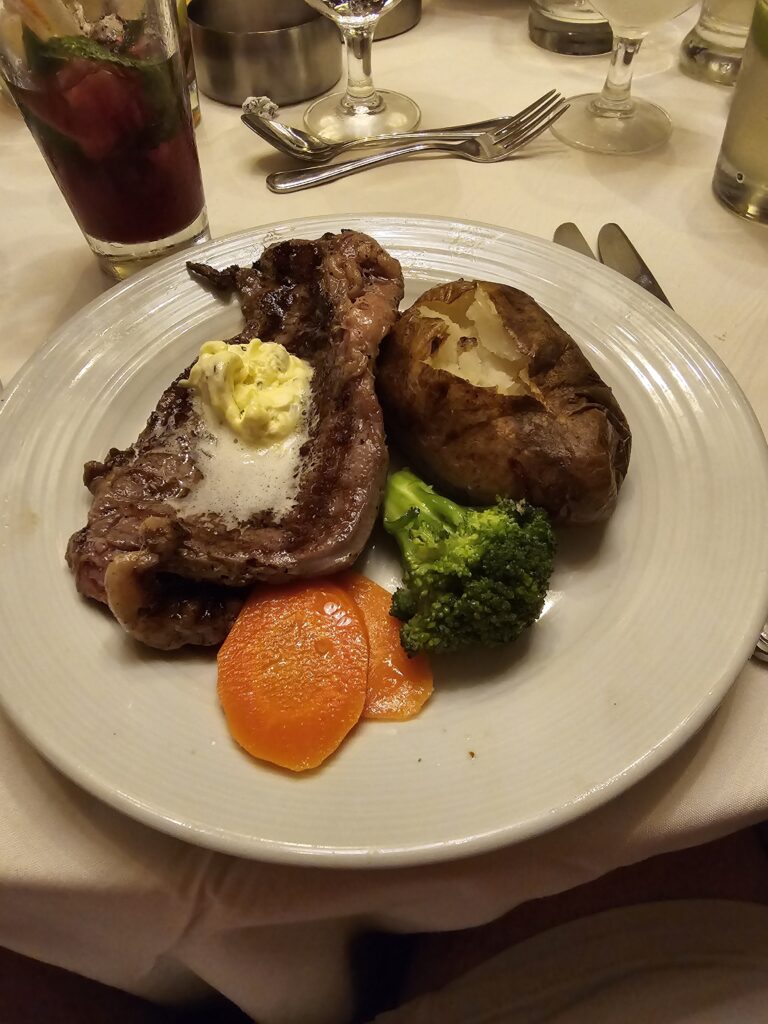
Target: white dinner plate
x: 648, y: 621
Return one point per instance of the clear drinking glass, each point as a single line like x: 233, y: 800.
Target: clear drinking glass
x: 613, y: 121
x: 713, y: 49
x: 741, y: 174
x: 188, y: 59
x: 362, y: 110
x: 568, y: 26
x: 101, y: 86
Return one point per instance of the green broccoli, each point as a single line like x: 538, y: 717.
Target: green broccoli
x: 472, y: 576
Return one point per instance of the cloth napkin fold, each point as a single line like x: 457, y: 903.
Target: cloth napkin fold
x: 90, y: 890
x: 683, y: 962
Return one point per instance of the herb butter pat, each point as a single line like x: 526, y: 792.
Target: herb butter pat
x: 259, y: 390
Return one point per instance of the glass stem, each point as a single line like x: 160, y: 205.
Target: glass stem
x: 360, y: 95
x: 616, y: 96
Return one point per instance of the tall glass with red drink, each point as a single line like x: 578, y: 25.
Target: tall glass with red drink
x: 102, y: 88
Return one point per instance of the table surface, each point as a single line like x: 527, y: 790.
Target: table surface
x: 97, y: 893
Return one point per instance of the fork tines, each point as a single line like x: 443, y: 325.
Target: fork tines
x: 532, y: 121
x: 544, y: 111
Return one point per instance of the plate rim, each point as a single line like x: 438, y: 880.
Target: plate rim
x: 280, y: 851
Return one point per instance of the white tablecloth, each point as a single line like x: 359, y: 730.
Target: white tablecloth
x: 85, y: 888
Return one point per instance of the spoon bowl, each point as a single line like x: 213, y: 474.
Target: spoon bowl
x: 260, y: 114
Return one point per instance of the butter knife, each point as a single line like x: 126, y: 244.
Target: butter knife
x: 570, y: 236
x: 617, y: 252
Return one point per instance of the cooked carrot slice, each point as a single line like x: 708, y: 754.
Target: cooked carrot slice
x: 398, y: 686
x: 293, y: 672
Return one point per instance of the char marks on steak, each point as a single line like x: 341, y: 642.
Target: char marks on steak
x: 173, y: 579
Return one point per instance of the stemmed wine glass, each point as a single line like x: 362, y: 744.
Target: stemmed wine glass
x: 361, y: 111
x: 612, y: 121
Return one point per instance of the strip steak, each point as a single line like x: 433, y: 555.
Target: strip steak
x: 172, y: 579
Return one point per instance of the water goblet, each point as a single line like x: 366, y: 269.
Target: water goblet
x: 613, y: 121
x: 362, y: 110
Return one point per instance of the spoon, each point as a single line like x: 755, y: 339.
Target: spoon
x: 260, y: 114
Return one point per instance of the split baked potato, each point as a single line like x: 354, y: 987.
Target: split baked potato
x: 488, y: 397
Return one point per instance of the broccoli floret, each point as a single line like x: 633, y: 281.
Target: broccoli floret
x: 473, y: 577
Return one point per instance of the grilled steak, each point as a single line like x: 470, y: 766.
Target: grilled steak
x: 172, y: 578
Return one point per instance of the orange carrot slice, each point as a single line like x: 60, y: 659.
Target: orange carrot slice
x: 293, y: 672
x: 398, y: 686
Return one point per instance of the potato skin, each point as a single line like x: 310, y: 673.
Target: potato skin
x: 565, y: 446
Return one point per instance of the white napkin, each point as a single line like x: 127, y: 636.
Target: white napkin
x: 681, y: 962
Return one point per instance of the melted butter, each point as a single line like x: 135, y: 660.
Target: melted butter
x: 255, y: 401
x: 239, y: 480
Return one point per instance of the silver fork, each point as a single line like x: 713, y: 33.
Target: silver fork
x: 488, y: 148
x: 261, y: 115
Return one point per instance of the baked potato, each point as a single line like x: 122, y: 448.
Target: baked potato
x: 488, y: 397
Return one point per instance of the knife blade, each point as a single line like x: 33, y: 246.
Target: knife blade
x: 570, y: 236
x: 616, y: 251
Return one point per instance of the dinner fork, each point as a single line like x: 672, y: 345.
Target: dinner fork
x: 488, y: 148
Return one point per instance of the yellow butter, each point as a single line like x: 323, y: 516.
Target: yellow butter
x: 258, y: 389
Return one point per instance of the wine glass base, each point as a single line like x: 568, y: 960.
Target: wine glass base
x: 645, y: 128
x: 327, y: 118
